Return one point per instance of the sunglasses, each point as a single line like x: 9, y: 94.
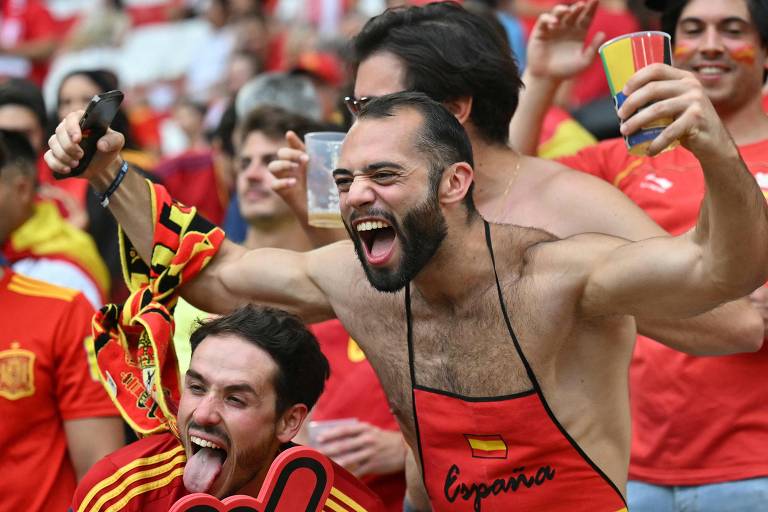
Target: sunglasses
x: 354, y: 104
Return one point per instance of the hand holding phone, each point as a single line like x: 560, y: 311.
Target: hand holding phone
x: 93, y: 125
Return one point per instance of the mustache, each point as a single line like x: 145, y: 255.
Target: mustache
x: 213, y: 431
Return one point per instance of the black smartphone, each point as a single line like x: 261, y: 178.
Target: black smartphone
x: 93, y: 125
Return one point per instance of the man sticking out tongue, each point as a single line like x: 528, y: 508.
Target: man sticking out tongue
x: 253, y: 376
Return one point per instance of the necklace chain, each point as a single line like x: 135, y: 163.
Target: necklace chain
x: 503, y: 200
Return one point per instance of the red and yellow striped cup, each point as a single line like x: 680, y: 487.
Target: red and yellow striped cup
x: 622, y: 56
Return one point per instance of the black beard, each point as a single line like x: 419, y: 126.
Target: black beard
x: 423, y: 231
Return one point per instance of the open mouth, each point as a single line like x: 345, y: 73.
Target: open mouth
x: 204, y: 465
x: 378, y: 238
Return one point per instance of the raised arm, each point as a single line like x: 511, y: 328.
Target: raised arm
x: 726, y: 255
x: 556, y: 52
x: 235, y: 276
x: 729, y: 328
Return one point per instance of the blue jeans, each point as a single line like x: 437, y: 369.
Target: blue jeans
x: 749, y: 495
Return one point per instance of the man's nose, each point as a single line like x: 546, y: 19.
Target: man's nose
x: 360, y: 193
x: 256, y: 171
x: 712, y: 41
x: 207, y: 412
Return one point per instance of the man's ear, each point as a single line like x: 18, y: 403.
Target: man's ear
x: 460, y: 107
x: 455, y: 183
x: 290, y: 422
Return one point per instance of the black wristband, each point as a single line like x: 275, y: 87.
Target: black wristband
x: 104, y: 198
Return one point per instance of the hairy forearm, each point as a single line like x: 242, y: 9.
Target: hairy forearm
x: 535, y: 99
x: 733, y: 225
x: 730, y: 328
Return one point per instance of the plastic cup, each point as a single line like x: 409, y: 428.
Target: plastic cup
x: 624, y: 55
x: 323, y: 149
x: 317, y: 427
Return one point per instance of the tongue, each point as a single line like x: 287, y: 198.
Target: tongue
x: 202, y: 469
x: 382, y: 242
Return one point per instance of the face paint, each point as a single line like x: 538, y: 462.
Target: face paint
x: 683, y: 50
x: 743, y: 53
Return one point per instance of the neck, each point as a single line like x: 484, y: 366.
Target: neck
x: 458, y: 268
x: 285, y: 233
x: 495, y: 171
x: 747, y: 124
x: 254, y: 485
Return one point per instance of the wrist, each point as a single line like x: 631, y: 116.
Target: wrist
x: 541, y: 82
x: 101, y: 181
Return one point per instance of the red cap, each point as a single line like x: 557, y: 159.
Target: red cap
x: 323, y: 65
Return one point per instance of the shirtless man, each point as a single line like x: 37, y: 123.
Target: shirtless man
x: 522, y: 418
x: 404, y: 49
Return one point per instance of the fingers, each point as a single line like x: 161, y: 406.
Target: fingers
x: 294, y: 141
x: 653, y: 73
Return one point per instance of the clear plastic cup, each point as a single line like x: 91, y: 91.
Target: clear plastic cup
x: 323, y: 149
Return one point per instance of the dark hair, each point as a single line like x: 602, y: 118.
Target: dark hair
x: 18, y: 91
x: 302, y: 367
x: 449, y: 53
x: 16, y: 151
x: 441, y: 139
x: 105, y: 80
x: 274, y: 121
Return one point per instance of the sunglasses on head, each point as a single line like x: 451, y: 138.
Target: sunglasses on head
x: 355, y: 104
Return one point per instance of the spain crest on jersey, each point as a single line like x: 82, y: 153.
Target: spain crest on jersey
x: 17, y: 372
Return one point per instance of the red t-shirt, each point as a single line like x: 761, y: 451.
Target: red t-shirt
x: 353, y: 391
x: 44, y: 380
x: 695, y: 420
x: 147, y: 476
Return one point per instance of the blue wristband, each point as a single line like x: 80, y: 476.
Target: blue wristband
x: 104, y: 198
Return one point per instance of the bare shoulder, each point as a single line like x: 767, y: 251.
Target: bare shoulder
x: 573, y: 256
x: 583, y: 203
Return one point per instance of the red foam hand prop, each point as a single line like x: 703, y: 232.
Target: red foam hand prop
x: 300, y: 479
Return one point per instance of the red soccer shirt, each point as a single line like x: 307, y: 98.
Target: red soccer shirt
x: 695, y: 420
x: 44, y: 381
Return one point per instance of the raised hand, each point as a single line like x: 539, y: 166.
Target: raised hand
x: 65, y: 153
x: 556, y: 45
x: 290, y: 172
x: 660, y: 91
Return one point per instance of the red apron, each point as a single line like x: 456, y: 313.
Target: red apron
x: 504, y: 453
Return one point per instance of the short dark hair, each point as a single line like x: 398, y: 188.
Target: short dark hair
x: 441, y: 138
x: 302, y: 367
x: 17, y: 152
x: 274, y: 121
x: 21, y: 92
x: 449, y: 53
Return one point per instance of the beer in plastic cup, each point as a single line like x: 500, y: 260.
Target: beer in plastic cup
x: 323, y: 149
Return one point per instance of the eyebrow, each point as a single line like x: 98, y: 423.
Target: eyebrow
x: 231, y: 388
x: 729, y: 19
x: 368, y: 169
